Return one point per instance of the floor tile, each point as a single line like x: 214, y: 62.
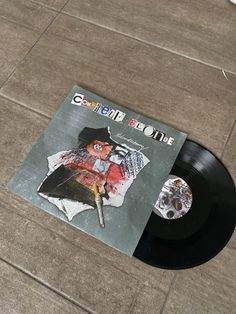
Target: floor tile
x: 229, y: 156
x: 149, y: 301
x: 185, y: 94
x: 209, y: 288
x: 27, y: 13
x: 15, y: 42
x: 21, y: 294
x: 82, y: 276
x: 203, y: 30
x: 232, y: 242
x: 55, y: 4
x: 19, y: 129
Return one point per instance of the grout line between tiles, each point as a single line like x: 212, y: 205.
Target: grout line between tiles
x: 61, y: 294
x: 168, y: 293
x: 228, y: 138
x: 26, y: 107
x: 19, y: 24
x: 138, y: 290
x: 149, y: 43
x: 46, y: 6
x: 28, y: 52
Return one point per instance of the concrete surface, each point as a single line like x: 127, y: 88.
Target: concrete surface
x: 173, y: 61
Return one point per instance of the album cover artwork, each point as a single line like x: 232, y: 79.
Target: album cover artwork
x: 100, y: 167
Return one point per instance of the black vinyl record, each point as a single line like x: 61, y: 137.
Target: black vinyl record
x: 206, y: 228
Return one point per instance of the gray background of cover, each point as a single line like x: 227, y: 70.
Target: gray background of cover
x: 125, y: 224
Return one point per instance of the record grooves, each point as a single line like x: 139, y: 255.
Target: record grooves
x: 207, y: 226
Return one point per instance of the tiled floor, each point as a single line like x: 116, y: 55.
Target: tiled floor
x: 180, y: 57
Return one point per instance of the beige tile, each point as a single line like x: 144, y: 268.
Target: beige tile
x: 148, y: 300
x: 229, y: 156
x: 232, y: 242
x: 82, y: 276
x: 26, y: 13
x: 209, y: 288
x: 203, y: 30
x: 55, y: 4
x: 22, y: 294
x: 19, y: 129
x: 188, y: 95
x: 15, y: 42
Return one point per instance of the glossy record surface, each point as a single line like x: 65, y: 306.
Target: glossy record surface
x: 206, y: 228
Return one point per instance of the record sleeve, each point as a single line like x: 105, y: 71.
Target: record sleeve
x: 99, y: 167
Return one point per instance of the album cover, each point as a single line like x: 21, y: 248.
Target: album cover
x: 99, y: 167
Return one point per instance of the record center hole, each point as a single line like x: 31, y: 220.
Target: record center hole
x: 170, y: 214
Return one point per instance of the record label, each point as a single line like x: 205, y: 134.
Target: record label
x: 175, y: 199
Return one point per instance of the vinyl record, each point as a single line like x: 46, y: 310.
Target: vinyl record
x: 196, y: 213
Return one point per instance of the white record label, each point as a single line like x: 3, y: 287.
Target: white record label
x: 175, y: 199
